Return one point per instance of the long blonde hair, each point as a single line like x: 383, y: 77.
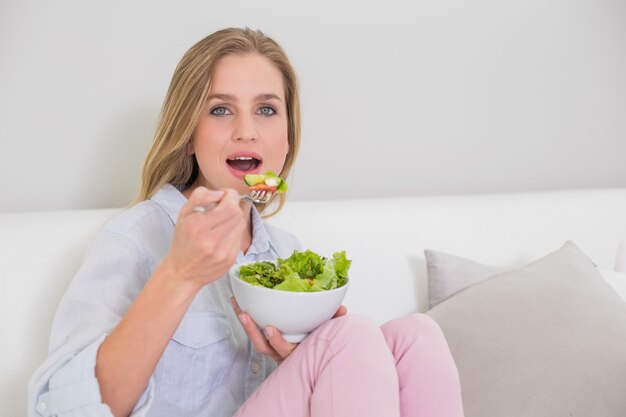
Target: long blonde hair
x: 167, y: 160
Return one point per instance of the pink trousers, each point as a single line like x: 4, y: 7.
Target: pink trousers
x: 351, y: 367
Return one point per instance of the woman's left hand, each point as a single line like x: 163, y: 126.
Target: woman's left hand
x: 270, y: 342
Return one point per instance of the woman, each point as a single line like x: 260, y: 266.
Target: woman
x: 147, y: 327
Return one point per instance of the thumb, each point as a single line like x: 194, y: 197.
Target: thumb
x: 201, y: 197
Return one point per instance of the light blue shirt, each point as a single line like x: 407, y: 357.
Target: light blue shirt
x: 209, y: 368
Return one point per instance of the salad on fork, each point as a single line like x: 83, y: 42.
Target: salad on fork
x: 261, y: 189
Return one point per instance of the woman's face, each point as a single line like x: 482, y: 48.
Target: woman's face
x: 243, y: 126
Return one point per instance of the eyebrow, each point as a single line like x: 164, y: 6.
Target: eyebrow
x: 229, y: 97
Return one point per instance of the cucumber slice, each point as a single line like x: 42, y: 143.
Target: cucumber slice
x: 254, y: 179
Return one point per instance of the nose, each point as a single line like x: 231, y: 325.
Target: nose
x: 245, y: 129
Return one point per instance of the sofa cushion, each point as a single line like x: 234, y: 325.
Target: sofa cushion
x: 547, y: 340
x: 449, y: 274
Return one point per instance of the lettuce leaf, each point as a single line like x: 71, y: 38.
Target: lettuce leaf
x: 302, y: 271
x: 260, y: 273
x: 342, y: 265
x: 292, y: 281
x: 307, y: 264
x: 282, y: 184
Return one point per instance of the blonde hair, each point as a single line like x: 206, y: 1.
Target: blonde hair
x: 167, y: 160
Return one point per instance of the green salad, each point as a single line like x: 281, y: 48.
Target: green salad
x: 302, y: 271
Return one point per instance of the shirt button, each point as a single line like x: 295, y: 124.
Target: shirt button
x: 43, y: 407
x: 255, y: 367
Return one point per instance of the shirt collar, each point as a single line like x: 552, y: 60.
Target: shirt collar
x: 260, y: 238
x: 171, y: 199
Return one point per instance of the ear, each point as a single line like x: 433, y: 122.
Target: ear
x: 189, y: 147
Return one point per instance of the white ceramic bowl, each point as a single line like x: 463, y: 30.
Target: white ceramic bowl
x: 294, y: 314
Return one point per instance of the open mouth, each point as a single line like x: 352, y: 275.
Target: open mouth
x: 244, y: 163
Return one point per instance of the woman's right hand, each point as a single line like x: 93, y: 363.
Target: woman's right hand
x: 206, y: 244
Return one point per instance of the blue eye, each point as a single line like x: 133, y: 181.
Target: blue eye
x: 219, y: 111
x: 267, y: 111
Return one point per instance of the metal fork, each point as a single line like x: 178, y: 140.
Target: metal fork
x: 254, y: 196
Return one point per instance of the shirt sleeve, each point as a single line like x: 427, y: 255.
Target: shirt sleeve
x: 111, y: 276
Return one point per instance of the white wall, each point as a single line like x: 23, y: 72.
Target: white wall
x: 399, y: 98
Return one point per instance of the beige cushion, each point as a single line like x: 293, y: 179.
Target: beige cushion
x: 449, y: 274
x: 546, y: 340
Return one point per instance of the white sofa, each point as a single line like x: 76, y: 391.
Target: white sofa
x: 385, y: 238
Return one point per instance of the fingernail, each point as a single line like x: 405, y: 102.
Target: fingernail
x: 269, y: 332
x: 243, y: 319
